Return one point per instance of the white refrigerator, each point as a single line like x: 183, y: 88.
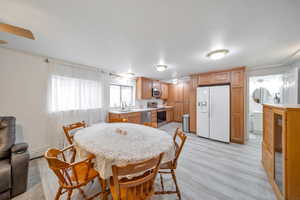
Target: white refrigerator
x: 213, y: 112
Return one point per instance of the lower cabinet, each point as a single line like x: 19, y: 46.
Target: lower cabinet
x: 134, y: 117
x: 170, y: 115
x: 267, y: 160
x: 154, y: 118
x: 131, y: 117
x: 178, y: 112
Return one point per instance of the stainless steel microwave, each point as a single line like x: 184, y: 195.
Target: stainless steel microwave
x: 156, y: 93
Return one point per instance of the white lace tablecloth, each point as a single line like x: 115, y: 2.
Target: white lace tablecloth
x: 112, y: 148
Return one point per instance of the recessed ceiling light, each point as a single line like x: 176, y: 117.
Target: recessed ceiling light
x: 218, y: 54
x: 161, y: 68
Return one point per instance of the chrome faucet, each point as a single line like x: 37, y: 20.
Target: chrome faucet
x: 123, y: 105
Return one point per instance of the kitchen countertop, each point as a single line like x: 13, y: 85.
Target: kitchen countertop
x: 132, y: 110
x: 284, y: 106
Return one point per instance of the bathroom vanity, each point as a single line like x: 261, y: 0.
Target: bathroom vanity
x: 281, y: 149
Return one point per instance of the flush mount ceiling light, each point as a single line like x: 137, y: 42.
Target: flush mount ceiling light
x: 218, y: 54
x: 161, y: 68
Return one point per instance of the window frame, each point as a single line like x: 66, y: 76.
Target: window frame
x: 120, y: 100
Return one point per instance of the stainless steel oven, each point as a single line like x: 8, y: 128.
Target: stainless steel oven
x: 161, y: 117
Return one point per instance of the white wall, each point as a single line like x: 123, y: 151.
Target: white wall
x: 23, y: 86
x: 290, y: 90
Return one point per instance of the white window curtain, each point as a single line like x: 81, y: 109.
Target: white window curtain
x: 75, y: 93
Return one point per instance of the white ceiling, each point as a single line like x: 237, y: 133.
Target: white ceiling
x: 119, y: 35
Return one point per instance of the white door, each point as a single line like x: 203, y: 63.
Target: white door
x: 220, y: 113
x: 203, y: 111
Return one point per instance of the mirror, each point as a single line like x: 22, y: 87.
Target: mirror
x: 261, y: 95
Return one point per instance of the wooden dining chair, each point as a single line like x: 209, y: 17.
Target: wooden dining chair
x: 73, y: 176
x: 170, y: 167
x: 119, y: 120
x: 137, y: 188
x: 70, y: 129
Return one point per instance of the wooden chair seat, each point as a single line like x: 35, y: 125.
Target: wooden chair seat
x: 83, y: 171
x: 148, y: 189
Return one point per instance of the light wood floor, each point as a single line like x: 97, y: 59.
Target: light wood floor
x: 207, y: 170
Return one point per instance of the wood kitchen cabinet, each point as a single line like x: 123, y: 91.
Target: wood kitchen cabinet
x: 186, y: 91
x: 179, y: 97
x: 170, y: 115
x: 175, y: 92
x: 178, y: 111
x: 134, y: 117
x: 237, y: 82
x: 193, y: 103
x: 156, y: 84
x: 143, y: 88
x: 237, y: 115
x: 154, y: 118
x: 221, y: 77
x: 164, y: 91
x: 179, y: 92
x: 171, y: 90
x: 237, y: 78
x: 205, y: 79
x: 280, y: 149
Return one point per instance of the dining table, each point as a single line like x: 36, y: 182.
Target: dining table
x: 122, y: 144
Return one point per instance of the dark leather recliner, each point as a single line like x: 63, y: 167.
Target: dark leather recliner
x: 14, y: 160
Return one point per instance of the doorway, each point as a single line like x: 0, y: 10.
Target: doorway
x: 266, y: 89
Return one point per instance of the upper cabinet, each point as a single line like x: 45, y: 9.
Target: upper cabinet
x: 221, y: 77
x: 144, y: 88
x: 205, y: 79
x: 238, y: 78
x: 179, y: 92
x: 214, y: 78
x: 164, y: 91
x: 156, y: 84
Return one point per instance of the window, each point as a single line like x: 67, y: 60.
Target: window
x: 74, y: 94
x: 121, y: 93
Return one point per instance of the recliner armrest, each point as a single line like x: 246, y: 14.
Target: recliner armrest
x: 19, y: 148
x: 19, y: 161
